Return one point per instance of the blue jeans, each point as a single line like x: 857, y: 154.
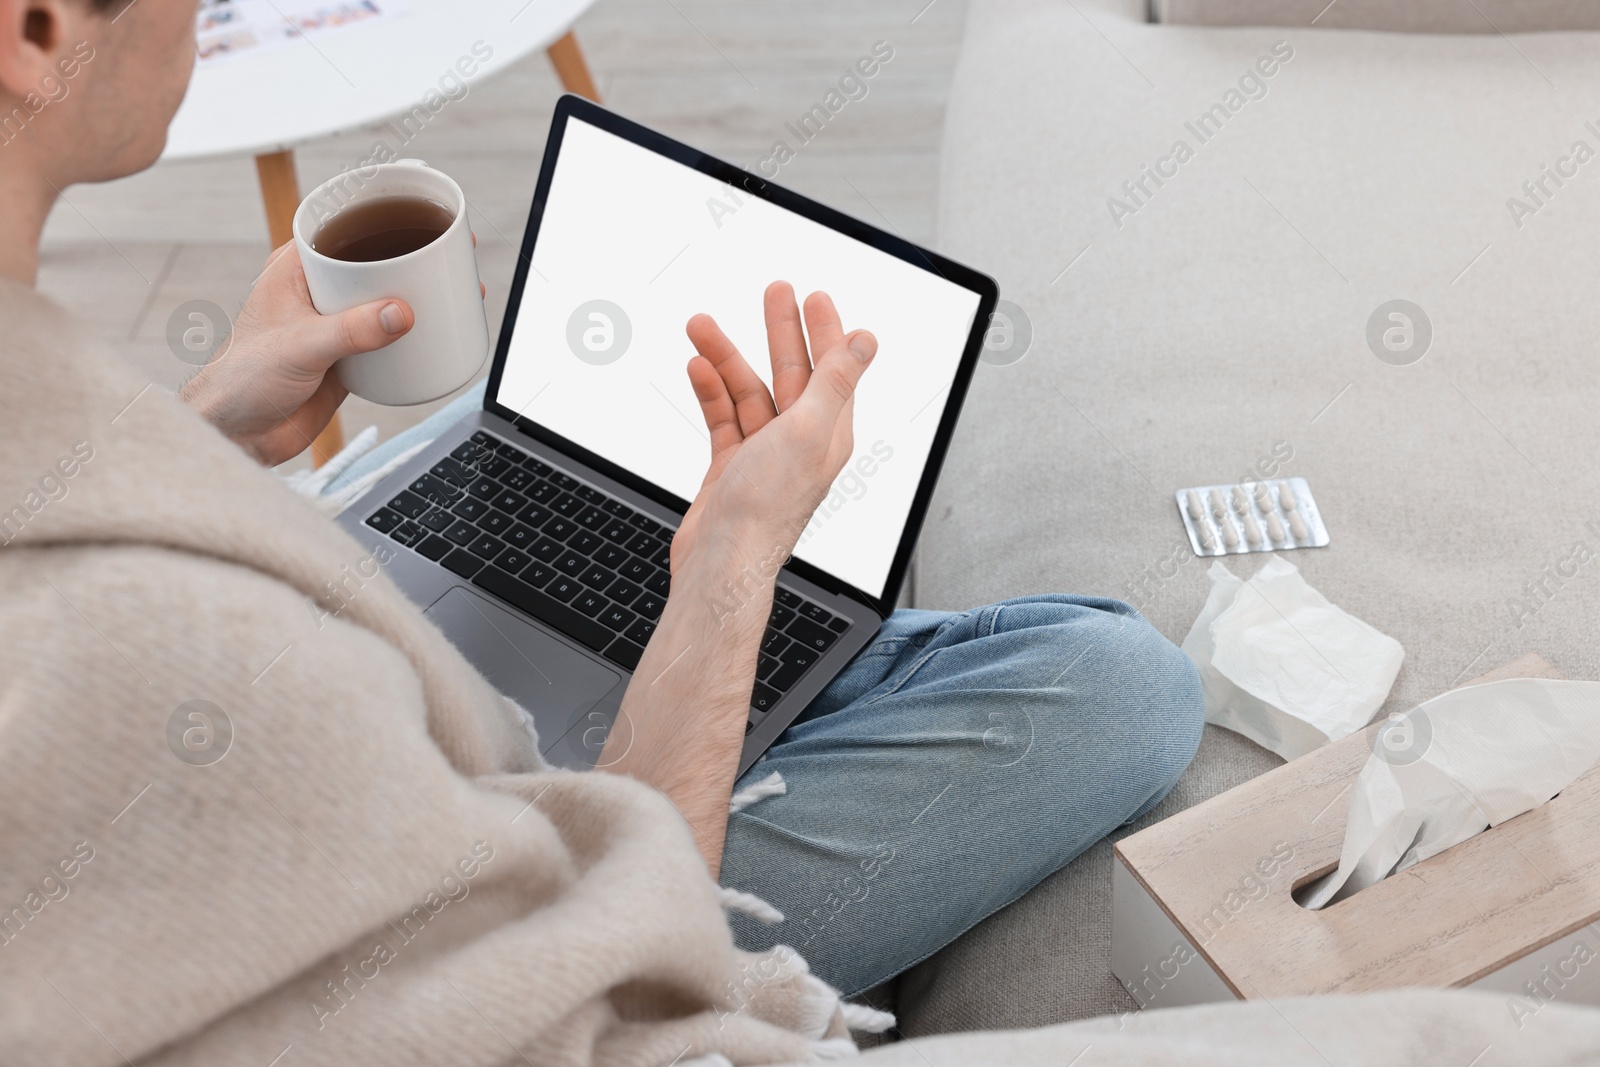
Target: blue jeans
x: 955, y: 763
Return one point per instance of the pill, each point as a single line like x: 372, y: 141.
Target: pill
x: 1207, y: 542
x: 1252, y: 530
x: 1218, y: 508
x: 1240, y: 503
x: 1286, y: 498
x: 1297, y: 526
x: 1196, y: 509
x: 1263, y: 497
x: 1230, y: 536
x: 1275, y: 528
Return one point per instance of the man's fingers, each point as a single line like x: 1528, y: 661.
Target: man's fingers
x: 749, y: 392
x: 822, y: 323
x: 716, y: 406
x: 361, y: 329
x: 791, y: 363
x: 833, y: 382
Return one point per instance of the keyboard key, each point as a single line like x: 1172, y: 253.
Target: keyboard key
x: 787, y: 598
x: 590, y: 493
x: 643, y: 545
x: 544, y: 492
x: 639, y: 633
x: 596, y: 578
x: 571, y: 563
x: 538, y: 574
x: 546, y: 550
x: 749, y: 724
x: 764, y: 698
x: 535, y: 515
x: 384, y: 520
x: 564, y: 480
x: 563, y: 589
x: 471, y: 509
x: 484, y: 438
x: 624, y: 653
x: 455, y: 472
x: 636, y: 570
x: 617, y: 531
x: 646, y: 523
x: 469, y: 454
x: 409, y: 533
x: 622, y: 591
x: 486, y: 546
x: 567, y: 504
x: 519, y: 479
x: 436, y: 547
x: 781, y: 616
x: 590, y: 603
x: 610, y: 557
x: 437, y: 519
x: 512, y: 561
x: 436, y: 490
x: 766, y: 665
x: 584, y: 541
x: 537, y: 466
x: 409, y: 504
x: 659, y: 583
x: 808, y: 633
x: 509, y: 501
x: 796, y: 660
x: 617, y: 618
x: 542, y: 607
x: 484, y: 488
x: 774, y: 643
x: 463, y: 563
x: 496, y: 522
x: 663, y: 557
x: 558, y: 529
x: 617, y: 508
x: 462, y: 532
x: 815, y: 612
x: 649, y: 606
x: 592, y: 518
x: 495, y: 466
x: 838, y: 624
x: 520, y: 536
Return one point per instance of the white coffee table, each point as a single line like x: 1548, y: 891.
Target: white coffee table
x: 354, y: 77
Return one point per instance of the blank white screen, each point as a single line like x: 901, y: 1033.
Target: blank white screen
x: 663, y: 242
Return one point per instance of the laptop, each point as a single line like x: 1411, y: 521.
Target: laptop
x: 535, y: 533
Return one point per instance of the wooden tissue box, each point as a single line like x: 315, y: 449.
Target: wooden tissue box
x: 1202, y: 911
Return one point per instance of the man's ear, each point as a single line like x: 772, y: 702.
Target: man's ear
x: 32, y: 34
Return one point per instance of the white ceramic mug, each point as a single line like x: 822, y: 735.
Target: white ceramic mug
x: 450, y: 340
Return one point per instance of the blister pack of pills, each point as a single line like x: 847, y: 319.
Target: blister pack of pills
x: 1269, y: 516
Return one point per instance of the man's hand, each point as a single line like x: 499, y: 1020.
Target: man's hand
x: 269, y: 388
x: 773, y: 457
x: 774, y: 454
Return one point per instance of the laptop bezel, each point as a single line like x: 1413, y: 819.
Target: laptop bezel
x: 570, y: 107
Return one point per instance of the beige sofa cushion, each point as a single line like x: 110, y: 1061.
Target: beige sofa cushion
x: 1222, y: 322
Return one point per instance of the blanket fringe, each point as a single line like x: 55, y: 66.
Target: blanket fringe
x: 866, y: 1019
x: 749, y: 904
x: 772, y: 785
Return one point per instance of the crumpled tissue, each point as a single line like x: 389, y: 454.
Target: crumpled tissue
x: 1456, y: 765
x: 1284, y: 667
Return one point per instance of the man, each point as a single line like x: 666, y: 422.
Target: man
x: 236, y: 827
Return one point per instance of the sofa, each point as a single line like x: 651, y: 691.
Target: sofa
x: 1197, y: 319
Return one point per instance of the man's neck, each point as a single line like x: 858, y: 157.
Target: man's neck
x: 28, y: 198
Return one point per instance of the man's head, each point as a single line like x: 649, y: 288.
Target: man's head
x: 87, y: 87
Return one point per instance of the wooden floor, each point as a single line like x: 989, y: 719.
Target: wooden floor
x: 724, y: 75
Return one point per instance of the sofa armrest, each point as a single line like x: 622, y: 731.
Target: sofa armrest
x: 1411, y: 16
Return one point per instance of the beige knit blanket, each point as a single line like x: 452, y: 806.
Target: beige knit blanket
x: 377, y: 869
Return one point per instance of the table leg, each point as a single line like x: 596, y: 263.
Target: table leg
x: 567, y: 58
x: 280, y: 194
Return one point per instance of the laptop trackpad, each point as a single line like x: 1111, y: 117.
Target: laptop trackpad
x: 552, y: 681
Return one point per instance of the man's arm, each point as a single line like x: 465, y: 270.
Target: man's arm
x: 774, y: 456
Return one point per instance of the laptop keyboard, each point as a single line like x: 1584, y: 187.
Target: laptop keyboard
x: 575, y: 558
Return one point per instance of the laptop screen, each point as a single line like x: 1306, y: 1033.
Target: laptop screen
x: 632, y: 244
